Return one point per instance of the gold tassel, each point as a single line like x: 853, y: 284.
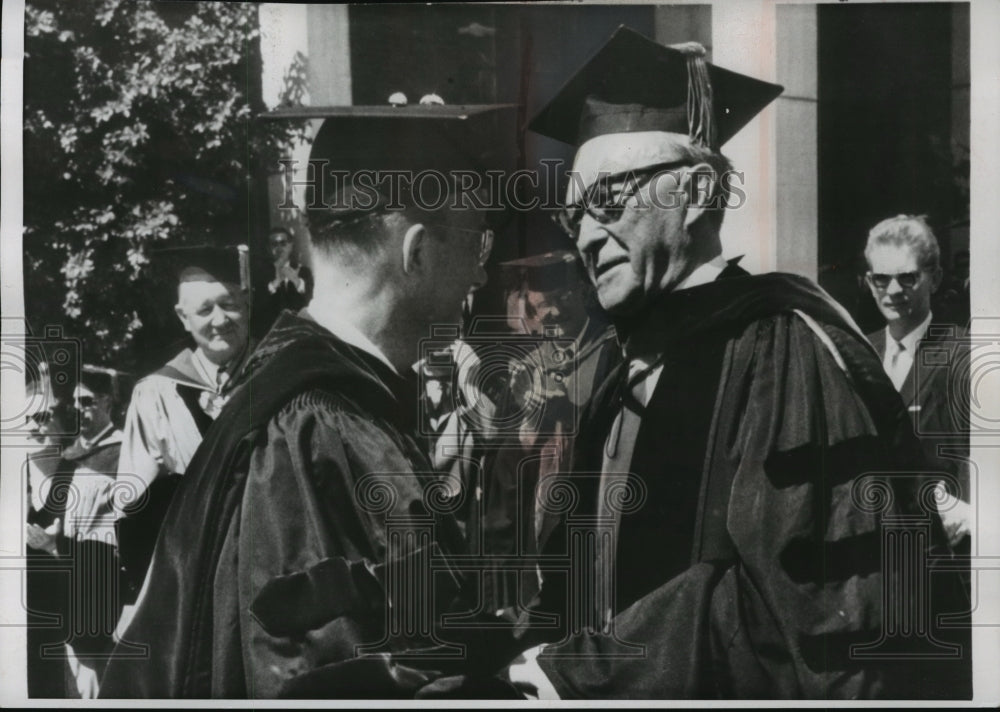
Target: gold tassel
x: 701, y: 117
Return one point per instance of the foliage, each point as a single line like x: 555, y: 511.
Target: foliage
x: 139, y: 133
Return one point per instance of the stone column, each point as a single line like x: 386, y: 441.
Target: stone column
x: 743, y: 39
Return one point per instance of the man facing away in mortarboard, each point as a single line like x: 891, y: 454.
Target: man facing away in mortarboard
x: 728, y: 455
x: 272, y: 565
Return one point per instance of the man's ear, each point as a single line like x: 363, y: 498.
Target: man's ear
x: 182, y: 315
x: 414, y: 244
x: 700, y: 184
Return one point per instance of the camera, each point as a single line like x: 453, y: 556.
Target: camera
x: 966, y: 369
x: 50, y: 365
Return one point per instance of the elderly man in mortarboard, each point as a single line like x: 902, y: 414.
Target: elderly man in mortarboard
x: 309, y: 490
x: 727, y: 456
x: 172, y: 408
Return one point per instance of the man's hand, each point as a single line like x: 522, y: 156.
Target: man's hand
x: 525, y: 674
x: 956, y: 515
x: 44, y: 539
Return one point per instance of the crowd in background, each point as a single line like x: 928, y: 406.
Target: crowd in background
x: 88, y: 551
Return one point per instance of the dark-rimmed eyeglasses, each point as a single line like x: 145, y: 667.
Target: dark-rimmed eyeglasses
x: 605, y: 202
x: 486, y: 236
x: 85, y: 402
x: 906, y: 280
x: 42, y: 417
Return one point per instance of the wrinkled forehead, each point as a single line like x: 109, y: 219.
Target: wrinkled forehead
x: 609, y: 154
x: 196, y: 283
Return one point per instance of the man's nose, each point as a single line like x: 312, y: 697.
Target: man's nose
x: 893, y: 287
x: 590, y: 237
x: 219, y: 315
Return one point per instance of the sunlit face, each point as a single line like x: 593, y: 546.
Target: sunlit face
x: 633, y: 235
x: 215, y: 314
x: 94, y: 409
x: 644, y: 252
x: 904, y: 307
x: 38, y: 413
x: 280, y: 245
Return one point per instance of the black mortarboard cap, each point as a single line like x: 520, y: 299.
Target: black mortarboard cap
x: 230, y: 263
x: 635, y: 84
x: 413, y: 139
x: 109, y: 381
x: 559, y: 269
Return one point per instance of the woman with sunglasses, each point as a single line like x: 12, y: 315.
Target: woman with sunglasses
x: 76, y: 525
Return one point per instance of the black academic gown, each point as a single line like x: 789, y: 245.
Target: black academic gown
x: 267, y: 567
x: 748, y: 560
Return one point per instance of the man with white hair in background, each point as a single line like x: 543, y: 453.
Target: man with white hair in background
x: 172, y: 408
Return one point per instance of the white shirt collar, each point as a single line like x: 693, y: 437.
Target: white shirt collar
x: 87, y: 444
x: 206, y: 369
x: 328, y: 317
x: 909, y: 342
x: 703, y: 274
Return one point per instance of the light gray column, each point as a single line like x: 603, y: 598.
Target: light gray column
x: 743, y: 39
x: 329, y: 54
x: 797, y: 223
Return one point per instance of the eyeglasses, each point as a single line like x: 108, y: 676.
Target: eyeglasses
x: 486, y: 236
x: 40, y: 418
x: 84, y: 402
x: 603, y: 202
x: 906, y: 280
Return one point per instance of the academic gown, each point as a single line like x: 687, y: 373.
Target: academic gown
x: 746, y: 559
x: 169, y: 413
x: 264, y: 569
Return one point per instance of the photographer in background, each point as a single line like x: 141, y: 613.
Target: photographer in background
x: 289, y: 283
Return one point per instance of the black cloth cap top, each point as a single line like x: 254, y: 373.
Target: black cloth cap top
x: 228, y: 264
x: 635, y: 84
x: 380, y: 140
x: 557, y: 270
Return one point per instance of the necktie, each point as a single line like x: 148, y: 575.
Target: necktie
x: 618, y: 452
x: 899, y: 366
x: 212, y: 402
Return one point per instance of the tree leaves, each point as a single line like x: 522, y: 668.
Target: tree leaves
x: 139, y: 132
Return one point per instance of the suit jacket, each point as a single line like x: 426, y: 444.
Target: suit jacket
x: 935, y: 393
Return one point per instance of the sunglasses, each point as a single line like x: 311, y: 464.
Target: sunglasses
x: 605, y: 203
x: 906, y: 280
x: 42, y: 417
